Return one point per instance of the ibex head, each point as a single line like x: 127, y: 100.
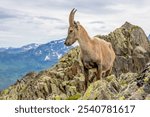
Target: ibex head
x: 72, y: 30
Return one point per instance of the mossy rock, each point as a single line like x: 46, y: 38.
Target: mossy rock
x: 71, y: 90
x: 74, y: 97
x: 111, y: 78
x: 6, y: 91
x: 57, y: 97
x: 98, y: 91
x: 88, y: 92
x: 146, y: 79
x: 147, y: 97
x: 122, y: 98
x: 134, y: 28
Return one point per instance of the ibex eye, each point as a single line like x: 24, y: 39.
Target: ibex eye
x: 71, y: 31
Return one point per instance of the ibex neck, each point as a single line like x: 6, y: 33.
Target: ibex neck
x: 84, y: 39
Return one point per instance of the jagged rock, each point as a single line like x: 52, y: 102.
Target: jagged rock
x: 139, y: 52
x: 144, y: 79
x: 137, y: 86
x: 131, y: 46
x: 148, y: 97
x: 102, y: 89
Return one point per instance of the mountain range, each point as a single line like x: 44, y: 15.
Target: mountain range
x: 149, y: 37
x: 16, y: 62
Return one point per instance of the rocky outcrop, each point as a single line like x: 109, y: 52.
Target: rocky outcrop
x: 131, y: 46
x: 130, y: 78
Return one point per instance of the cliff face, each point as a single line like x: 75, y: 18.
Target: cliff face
x: 130, y: 78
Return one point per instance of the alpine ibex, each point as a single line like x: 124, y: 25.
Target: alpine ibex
x: 95, y: 52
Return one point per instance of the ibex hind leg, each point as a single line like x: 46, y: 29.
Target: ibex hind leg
x: 103, y: 74
x: 108, y: 72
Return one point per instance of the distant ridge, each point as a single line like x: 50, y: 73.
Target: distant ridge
x: 16, y: 62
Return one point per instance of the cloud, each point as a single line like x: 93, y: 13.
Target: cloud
x: 4, y: 15
x: 39, y: 21
x: 61, y: 27
x: 49, y: 18
x: 18, y: 28
x: 97, y: 22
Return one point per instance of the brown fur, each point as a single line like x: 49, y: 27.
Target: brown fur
x: 95, y: 52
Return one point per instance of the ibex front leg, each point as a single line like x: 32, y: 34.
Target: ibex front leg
x: 99, y: 72
x: 86, y: 75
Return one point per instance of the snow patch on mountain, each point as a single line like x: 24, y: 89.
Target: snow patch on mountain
x: 30, y: 46
x: 58, y: 55
x: 39, y: 52
x: 47, y: 58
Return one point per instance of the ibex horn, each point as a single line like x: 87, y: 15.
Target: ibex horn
x: 71, y: 17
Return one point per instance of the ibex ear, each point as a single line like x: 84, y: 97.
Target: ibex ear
x: 76, y: 24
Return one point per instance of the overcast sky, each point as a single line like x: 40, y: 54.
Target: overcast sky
x: 40, y: 21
